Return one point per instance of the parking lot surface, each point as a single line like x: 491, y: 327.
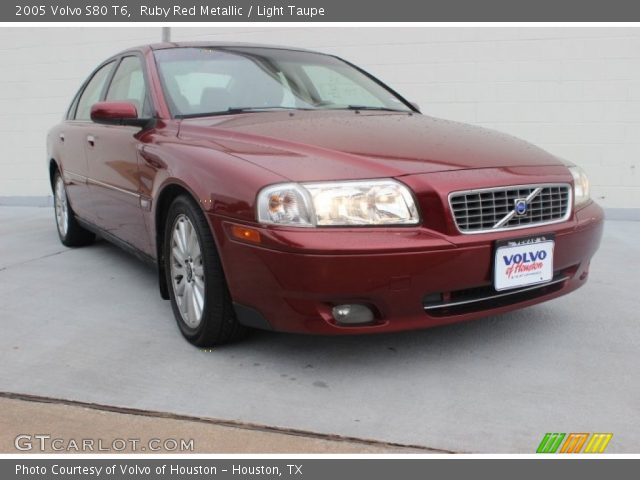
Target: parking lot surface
x: 117, y: 432
x: 89, y: 325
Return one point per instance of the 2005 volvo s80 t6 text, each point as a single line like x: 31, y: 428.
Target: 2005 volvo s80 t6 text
x: 289, y: 190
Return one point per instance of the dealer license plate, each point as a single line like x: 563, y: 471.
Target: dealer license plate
x: 522, y: 262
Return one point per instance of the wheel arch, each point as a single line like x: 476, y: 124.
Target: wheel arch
x: 53, y: 168
x: 166, y: 196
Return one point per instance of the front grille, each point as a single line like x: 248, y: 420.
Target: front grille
x: 494, y: 209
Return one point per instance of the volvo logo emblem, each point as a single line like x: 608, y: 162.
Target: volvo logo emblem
x: 520, y: 206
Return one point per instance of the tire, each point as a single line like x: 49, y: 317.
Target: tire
x: 198, y: 289
x: 70, y: 232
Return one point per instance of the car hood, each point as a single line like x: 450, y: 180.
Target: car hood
x: 330, y: 145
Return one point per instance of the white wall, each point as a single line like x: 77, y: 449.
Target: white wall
x: 40, y: 71
x: 573, y: 91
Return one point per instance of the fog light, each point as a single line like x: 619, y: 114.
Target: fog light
x: 352, y: 314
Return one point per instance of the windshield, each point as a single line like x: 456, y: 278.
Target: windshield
x: 210, y: 81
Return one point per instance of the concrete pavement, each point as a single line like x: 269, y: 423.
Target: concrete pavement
x: 71, y: 428
x: 88, y: 325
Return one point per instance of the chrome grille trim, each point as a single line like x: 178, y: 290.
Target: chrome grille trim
x: 486, y: 210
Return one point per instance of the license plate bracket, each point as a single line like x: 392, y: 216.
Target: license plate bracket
x: 522, y: 262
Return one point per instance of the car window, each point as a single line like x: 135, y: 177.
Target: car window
x: 92, y: 92
x: 201, y: 85
x: 72, y: 108
x: 128, y: 85
x: 191, y: 85
x: 335, y: 88
x: 202, y: 81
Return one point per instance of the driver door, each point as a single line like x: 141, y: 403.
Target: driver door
x: 112, y: 158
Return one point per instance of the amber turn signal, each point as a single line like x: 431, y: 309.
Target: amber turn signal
x: 246, y: 234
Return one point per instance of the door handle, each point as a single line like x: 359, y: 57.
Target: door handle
x: 61, y: 137
x: 91, y: 140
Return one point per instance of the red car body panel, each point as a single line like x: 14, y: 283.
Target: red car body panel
x: 294, y: 276
x: 295, y: 291
x: 363, y: 145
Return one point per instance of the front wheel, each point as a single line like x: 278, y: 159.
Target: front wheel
x: 197, y: 287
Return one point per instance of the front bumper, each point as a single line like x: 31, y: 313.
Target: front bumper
x: 292, y: 281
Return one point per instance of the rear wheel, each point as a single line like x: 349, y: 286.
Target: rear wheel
x: 199, y: 295
x: 70, y: 232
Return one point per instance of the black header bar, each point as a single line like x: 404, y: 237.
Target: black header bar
x: 319, y: 11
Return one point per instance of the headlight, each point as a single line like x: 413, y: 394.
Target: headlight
x: 285, y: 204
x: 368, y: 202
x: 581, y: 187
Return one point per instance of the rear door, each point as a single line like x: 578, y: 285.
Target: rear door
x: 112, y: 156
x: 72, y: 139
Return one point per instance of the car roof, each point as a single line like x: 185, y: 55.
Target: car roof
x: 209, y: 44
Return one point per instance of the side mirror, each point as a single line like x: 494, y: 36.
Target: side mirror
x: 117, y: 113
x: 416, y: 106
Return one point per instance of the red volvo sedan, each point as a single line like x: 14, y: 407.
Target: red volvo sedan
x: 284, y: 189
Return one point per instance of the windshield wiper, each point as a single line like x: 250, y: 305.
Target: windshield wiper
x: 235, y: 110
x: 261, y: 109
x: 367, y: 107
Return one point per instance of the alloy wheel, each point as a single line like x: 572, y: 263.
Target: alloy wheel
x: 61, y: 207
x: 187, y: 271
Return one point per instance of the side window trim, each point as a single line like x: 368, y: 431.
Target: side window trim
x: 71, y: 110
x: 105, y: 89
